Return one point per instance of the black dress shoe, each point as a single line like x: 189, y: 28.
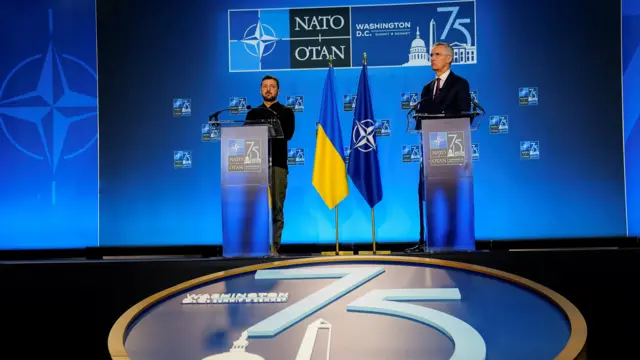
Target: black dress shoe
x: 418, y: 248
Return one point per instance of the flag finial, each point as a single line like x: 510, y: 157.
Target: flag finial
x: 365, y: 58
x: 330, y: 61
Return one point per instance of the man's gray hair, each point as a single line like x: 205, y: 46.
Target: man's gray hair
x: 446, y: 45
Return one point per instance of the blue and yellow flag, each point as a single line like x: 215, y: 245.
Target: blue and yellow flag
x: 329, y: 169
x: 364, y: 168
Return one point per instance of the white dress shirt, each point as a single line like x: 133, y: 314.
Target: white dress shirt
x: 443, y: 78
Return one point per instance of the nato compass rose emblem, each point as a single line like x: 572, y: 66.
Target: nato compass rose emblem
x: 49, y: 108
x: 364, y: 135
x: 259, y: 40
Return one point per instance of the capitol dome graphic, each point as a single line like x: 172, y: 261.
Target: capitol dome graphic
x: 237, y: 351
x: 418, y: 54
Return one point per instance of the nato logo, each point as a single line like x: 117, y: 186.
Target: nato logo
x: 411, y: 153
x: 295, y: 103
x: 447, y: 148
x: 181, y: 159
x: 438, y: 140
x: 474, y: 95
x: 237, y: 105
x: 295, y: 156
x: 244, y: 155
x: 408, y: 99
x: 181, y: 107
x: 383, y: 128
x: 278, y: 39
x: 393, y: 34
x: 210, y: 133
x: 349, y: 101
x: 475, y: 151
x: 528, y: 96
x: 236, y: 147
x: 529, y: 150
x: 54, y: 117
x: 347, y: 152
x: 498, y: 124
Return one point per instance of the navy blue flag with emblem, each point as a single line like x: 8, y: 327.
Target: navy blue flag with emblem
x: 364, y: 167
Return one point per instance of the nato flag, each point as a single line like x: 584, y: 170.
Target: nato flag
x: 364, y: 167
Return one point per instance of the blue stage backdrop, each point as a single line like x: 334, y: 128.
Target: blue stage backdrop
x: 548, y: 155
x: 48, y: 124
x: 631, y: 81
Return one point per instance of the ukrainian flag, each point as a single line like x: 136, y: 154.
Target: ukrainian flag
x: 329, y: 169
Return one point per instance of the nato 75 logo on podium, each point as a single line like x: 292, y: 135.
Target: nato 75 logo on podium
x: 244, y: 155
x: 446, y: 148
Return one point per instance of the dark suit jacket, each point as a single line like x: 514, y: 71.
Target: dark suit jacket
x: 454, y: 98
x: 287, y: 121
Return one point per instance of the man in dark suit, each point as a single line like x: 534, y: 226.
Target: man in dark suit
x: 270, y: 89
x: 447, y: 94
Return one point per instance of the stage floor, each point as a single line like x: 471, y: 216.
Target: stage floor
x: 67, y: 308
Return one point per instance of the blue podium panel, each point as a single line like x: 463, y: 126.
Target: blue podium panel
x: 246, y: 211
x: 448, y: 178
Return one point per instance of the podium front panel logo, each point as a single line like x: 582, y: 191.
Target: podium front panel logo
x: 349, y: 102
x: 528, y: 96
x: 411, y: 154
x: 529, y: 150
x: 475, y: 151
x: 182, y: 159
x: 393, y: 34
x: 498, y: 124
x: 244, y: 155
x: 383, y: 128
x: 446, y: 148
x: 237, y: 105
x: 408, y: 99
x: 181, y: 107
x: 295, y: 103
x: 295, y: 156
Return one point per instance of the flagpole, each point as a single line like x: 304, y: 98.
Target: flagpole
x: 373, y: 218
x: 337, y: 241
x: 337, y: 252
x: 373, y: 229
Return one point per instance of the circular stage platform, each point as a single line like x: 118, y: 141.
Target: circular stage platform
x: 347, y: 308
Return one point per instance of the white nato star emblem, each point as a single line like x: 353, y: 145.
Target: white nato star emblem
x: 364, y: 135
x: 262, y: 36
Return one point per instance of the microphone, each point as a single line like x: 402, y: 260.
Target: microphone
x: 215, y: 114
x: 265, y: 108
x: 415, y: 106
x: 475, y: 104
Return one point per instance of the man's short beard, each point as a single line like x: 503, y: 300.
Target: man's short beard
x: 269, y: 99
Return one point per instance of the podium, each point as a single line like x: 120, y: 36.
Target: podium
x: 245, y: 184
x: 448, y: 180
